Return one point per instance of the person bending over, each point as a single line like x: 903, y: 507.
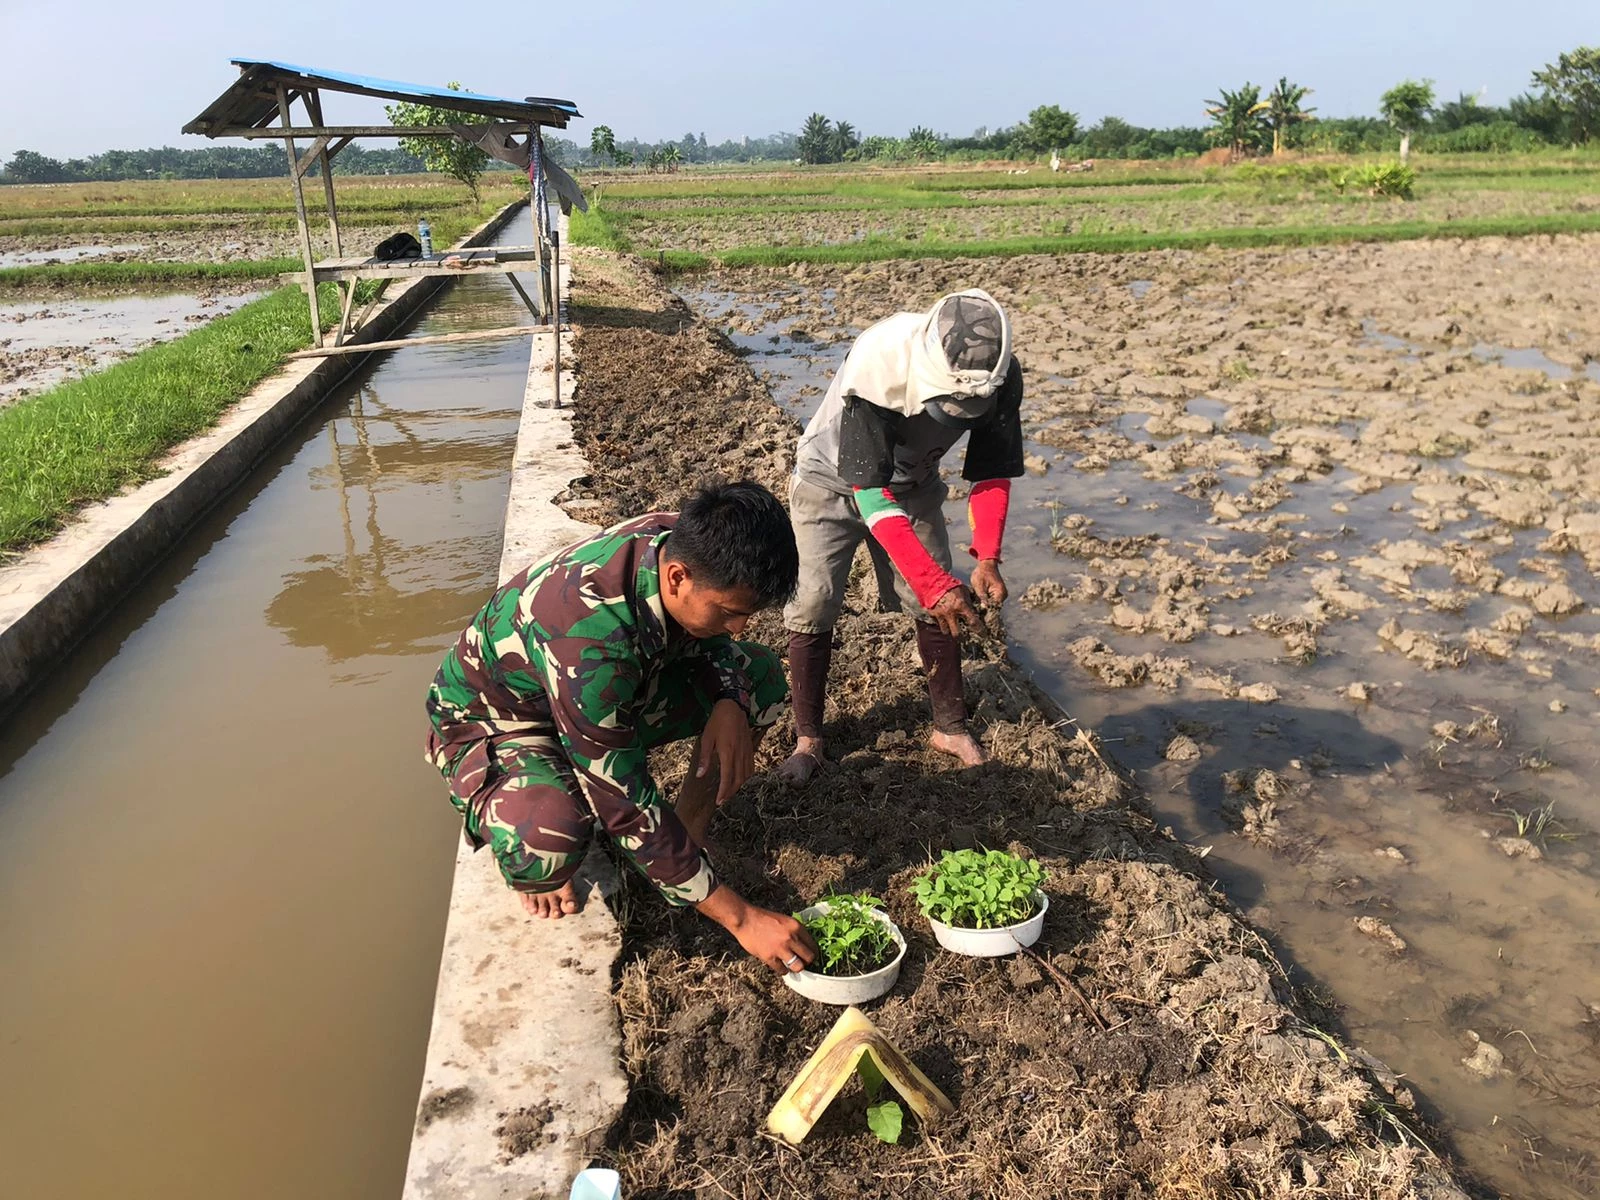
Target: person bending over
x: 544, y: 712
x: 867, y: 467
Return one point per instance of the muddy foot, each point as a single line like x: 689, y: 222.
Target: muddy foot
x: 558, y: 903
x: 961, y: 745
x: 805, y: 762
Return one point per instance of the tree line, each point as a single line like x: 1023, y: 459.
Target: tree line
x: 1562, y: 108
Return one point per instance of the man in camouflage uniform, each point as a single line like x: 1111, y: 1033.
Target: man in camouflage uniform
x: 545, y: 710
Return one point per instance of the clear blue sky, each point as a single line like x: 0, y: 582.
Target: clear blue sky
x: 87, y: 75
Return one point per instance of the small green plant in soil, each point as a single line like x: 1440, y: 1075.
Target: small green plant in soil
x: 884, y: 1117
x: 852, y: 941
x: 978, y: 889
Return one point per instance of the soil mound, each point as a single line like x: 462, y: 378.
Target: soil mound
x: 1152, y: 1048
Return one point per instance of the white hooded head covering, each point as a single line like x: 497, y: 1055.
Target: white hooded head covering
x: 957, y: 353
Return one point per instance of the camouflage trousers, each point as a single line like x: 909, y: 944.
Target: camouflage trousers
x: 529, y: 806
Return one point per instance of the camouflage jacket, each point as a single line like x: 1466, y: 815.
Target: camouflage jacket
x: 570, y: 648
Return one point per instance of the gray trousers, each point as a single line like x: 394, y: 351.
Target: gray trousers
x: 828, y: 528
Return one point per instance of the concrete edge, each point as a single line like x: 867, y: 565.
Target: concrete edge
x: 54, y: 593
x: 523, y: 1076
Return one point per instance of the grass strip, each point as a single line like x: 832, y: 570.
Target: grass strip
x: 133, y: 274
x: 89, y: 438
x: 1128, y: 243
x: 597, y: 227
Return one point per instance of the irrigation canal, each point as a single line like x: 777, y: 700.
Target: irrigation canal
x: 224, y: 866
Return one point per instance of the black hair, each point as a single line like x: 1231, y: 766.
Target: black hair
x: 737, y: 535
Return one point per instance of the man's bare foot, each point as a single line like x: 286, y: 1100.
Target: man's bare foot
x: 805, y: 762
x: 558, y: 903
x: 962, y: 745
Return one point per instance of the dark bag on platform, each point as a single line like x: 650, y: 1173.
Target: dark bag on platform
x: 401, y: 245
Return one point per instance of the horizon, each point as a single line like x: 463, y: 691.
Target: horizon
x: 678, y: 72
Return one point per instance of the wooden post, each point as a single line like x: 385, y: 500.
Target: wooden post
x: 325, y: 161
x: 300, y: 215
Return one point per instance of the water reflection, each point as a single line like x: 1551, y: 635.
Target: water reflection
x: 397, y: 474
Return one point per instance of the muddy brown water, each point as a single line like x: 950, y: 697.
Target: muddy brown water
x: 1376, y: 815
x: 224, y: 865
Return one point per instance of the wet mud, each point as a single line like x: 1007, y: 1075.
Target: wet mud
x: 1190, y: 1066
x: 46, y: 343
x: 1308, y: 541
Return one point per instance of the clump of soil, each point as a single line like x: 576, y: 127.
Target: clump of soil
x: 440, y: 1103
x: 522, y: 1130
x: 1190, y: 1072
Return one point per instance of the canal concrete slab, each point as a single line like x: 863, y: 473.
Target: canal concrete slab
x: 523, y: 1076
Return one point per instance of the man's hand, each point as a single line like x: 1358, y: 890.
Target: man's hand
x: 988, y: 584
x: 777, y: 940
x: 954, y: 607
x: 727, y: 742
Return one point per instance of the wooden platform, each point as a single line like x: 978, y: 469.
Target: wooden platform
x: 488, y: 259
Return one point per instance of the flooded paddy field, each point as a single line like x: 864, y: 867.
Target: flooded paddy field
x: 1308, y: 538
x: 43, y: 343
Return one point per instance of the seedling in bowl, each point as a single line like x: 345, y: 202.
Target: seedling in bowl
x: 979, y: 889
x: 850, y: 940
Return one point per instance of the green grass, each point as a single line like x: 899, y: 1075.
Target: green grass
x: 597, y: 227
x: 88, y: 439
x: 1128, y: 243
x: 141, y: 274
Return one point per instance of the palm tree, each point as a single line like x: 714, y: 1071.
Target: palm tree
x: 844, y: 140
x: 1284, y: 110
x: 815, y: 138
x: 1240, y: 117
x: 603, y: 143
x: 1406, y: 106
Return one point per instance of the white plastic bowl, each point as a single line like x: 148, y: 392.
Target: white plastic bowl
x: 848, y: 989
x: 992, y: 943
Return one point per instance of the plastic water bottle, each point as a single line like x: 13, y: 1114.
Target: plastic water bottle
x: 425, y: 236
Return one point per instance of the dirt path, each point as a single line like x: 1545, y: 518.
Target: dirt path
x: 1199, y: 1072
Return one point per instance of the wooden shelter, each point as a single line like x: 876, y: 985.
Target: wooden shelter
x: 260, y: 104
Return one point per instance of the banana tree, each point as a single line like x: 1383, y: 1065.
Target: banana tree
x: 603, y: 143
x: 1241, y: 119
x: 671, y: 156
x: 1284, y: 110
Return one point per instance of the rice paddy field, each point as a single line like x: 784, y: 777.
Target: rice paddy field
x: 694, y: 221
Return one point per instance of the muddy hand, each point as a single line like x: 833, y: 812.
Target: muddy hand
x: 954, y: 607
x: 728, y: 744
x: 988, y: 584
x: 777, y: 940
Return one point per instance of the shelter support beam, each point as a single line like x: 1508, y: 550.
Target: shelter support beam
x: 300, y: 216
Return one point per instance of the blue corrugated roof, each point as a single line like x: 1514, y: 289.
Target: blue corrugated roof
x: 419, y: 90
x: 251, y: 102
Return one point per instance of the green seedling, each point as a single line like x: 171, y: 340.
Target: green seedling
x: 852, y: 941
x: 884, y: 1117
x: 978, y: 889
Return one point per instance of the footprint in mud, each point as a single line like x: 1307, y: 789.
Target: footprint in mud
x: 1234, y: 754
